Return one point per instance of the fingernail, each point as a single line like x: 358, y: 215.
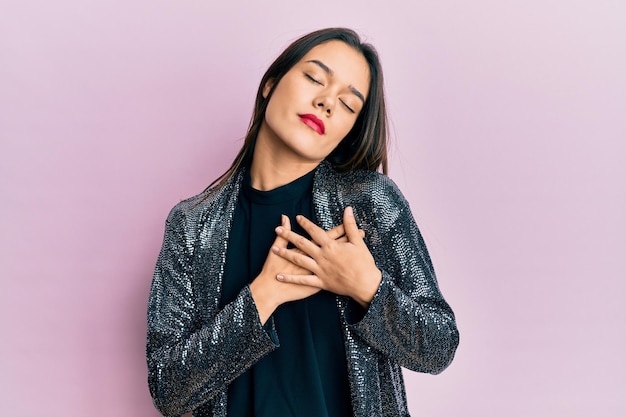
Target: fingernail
x: 283, y: 219
x: 279, y: 230
x: 349, y: 211
x: 280, y: 277
x: 275, y: 249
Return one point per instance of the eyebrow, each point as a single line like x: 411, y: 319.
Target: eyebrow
x: 331, y: 72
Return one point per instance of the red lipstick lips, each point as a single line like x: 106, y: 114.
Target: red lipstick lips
x: 313, y: 122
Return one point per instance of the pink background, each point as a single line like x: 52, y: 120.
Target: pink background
x: 509, y: 127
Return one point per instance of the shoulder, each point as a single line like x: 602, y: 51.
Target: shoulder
x: 186, y: 208
x: 377, y: 201
x: 372, y: 186
x: 200, y: 206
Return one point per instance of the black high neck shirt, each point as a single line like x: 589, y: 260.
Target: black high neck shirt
x: 306, y: 376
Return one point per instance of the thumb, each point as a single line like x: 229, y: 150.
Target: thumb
x: 349, y: 224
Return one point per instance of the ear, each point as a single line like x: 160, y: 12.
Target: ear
x: 268, y: 87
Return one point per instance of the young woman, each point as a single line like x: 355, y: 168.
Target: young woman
x: 298, y: 283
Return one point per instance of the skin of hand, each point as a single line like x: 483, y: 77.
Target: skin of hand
x: 267, y: 292
x: 344, y: 267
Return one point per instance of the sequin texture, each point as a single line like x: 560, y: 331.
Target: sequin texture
x: 194, y: 350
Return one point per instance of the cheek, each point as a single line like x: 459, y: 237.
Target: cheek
x: 346, y: 124
x: 340, y: 133
x: 281, y: 102
x: 274, y: 111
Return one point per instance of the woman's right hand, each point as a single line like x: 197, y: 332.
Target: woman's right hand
x: 269, y: 293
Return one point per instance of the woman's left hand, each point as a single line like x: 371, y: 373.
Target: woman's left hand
x: 344, y: 267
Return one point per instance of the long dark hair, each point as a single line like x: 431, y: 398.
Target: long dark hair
x: 365, y: 146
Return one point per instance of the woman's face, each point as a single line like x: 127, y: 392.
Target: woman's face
x: 316, y: 103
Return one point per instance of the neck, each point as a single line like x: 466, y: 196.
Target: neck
x: 274, y: 165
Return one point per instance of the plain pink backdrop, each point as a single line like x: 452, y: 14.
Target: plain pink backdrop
x: 508, y: 120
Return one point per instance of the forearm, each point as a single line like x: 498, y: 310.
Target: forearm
x: 419, y: 333
x: 186, y: 370
x: 265, y: 301
x: 365, y: 293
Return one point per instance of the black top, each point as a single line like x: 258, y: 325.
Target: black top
x: 307, y: 374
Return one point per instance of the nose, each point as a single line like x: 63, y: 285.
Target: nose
x: 326, y: 103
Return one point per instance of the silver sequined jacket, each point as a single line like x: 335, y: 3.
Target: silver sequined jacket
x: 194, y: 350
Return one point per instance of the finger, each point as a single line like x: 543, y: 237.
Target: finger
x: 344, y: 238
x: 336, y: 232
x: 318, y: 235
x: 296, y: 258
x: 309, y: 280
x: 280, y: 241
x: 298, y: 241
x: 286, y: 222
x: 349, y: 223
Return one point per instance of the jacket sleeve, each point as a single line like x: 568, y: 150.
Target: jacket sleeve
x: 190, y: 360
x: 408, y: 320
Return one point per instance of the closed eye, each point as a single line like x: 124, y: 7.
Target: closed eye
x: 316, y: 81
x: 347, y: 107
